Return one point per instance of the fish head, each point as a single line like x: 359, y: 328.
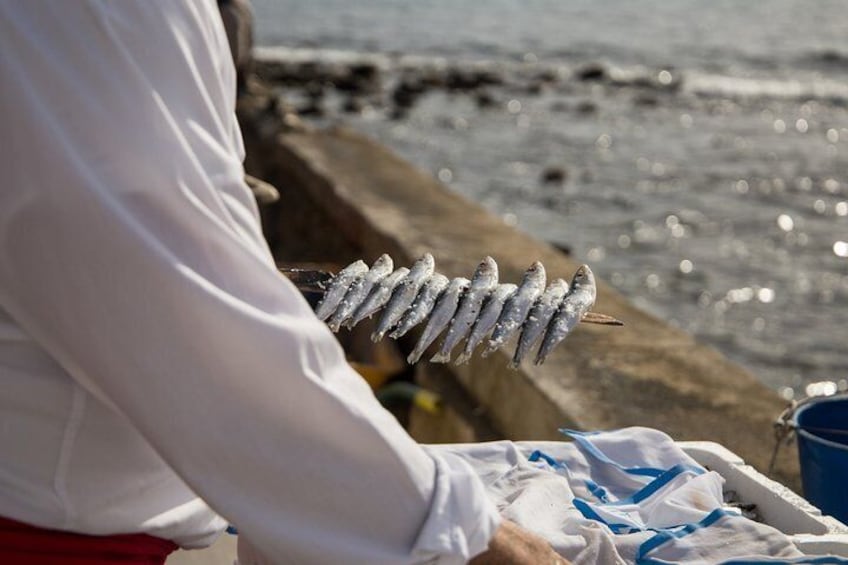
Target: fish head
x: 536, y: 270
x: 583, y: 277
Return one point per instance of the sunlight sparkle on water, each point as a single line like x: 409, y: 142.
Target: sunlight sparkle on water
x: 785, y: 222
x: 821, y: 388
x: 765, y: 295
x: 840, y: 248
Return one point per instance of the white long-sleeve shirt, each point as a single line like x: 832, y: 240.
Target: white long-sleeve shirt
x: 149, y: 350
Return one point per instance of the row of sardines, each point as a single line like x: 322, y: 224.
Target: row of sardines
x: 476, y: 310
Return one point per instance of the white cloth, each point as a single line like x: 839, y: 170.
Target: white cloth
x: 628, y: 496
x: 149, y: 350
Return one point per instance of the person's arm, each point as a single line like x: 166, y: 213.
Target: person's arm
x: 131, y: 250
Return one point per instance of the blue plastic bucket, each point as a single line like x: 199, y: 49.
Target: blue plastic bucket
x: 821, y: 427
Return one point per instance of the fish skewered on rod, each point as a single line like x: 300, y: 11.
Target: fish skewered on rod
x: 404, y: 294
x: 485, y: 279
x: 359, y: 290
x: 459, y: 308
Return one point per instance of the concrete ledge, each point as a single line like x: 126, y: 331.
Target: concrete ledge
x: 369, y: 201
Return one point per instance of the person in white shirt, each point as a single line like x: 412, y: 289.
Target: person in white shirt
x: 154, y: 365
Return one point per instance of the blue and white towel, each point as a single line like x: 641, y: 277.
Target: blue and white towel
x: 628, y: 496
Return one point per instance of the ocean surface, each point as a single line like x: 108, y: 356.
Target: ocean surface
x: 693, y: 152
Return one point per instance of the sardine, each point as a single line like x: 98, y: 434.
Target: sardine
x: 518, y: 306
x: 338, y: 287
x: 486, y: 321
x: 422, y: 305
x: 360, y: 289
x: 539, y: 319
x: 579, y: 300
x: 484, y: 280
x: 379, y: 295
x: 441, y: 316
x: 404, y: 294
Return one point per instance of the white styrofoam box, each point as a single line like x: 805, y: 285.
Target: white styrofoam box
x: 812, y: 532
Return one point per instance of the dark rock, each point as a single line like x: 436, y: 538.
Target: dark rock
x: 360, y: 78
x: 646, y: 100
x: 535, y: 87
x: 353, y: 105
x: 485, y: 99
x: 586, y: 107
x: 554, y: 175
x: 407, y: 92
x: 591, y: 72
x: 471, y: 79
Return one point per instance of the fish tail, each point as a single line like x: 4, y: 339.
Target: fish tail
x: 440, y: 358
x: 463, y: 358
x: 491, y: 347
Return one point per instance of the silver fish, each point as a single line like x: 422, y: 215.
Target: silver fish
x: 486, y: 321
x: 339, y: 286
x: 539, y: 318
x: 404, y: 294
x: 379, y: 295
x: 442, y: 314
x: 518, y: 306
x: 360, y: 289
x: 580, y: 298
x: 422, y: 305
x: 485, y: 279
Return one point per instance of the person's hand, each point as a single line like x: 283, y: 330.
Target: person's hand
x: 513, y: 545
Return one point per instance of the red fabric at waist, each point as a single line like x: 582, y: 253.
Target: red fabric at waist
x: 22, y: 544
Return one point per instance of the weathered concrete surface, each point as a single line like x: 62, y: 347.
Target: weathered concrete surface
x: 367, y: 201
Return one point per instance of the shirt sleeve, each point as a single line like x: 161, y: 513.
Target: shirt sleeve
x: 131, y: 250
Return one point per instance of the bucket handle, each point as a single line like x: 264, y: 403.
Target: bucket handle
x: 785, y: 427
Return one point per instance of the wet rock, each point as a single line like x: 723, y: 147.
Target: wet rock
x: 471, y: 79
x: 485, y: 99
x: 554, y: 175
x: 536, y: 87
x: 547, y: 76
x: 353, y: 105
x: 591, y: 72
x: 407, y: 92
x: 360, y: 78
x: 314, y: 109
x: 646, y: 100
x: 586, y: 107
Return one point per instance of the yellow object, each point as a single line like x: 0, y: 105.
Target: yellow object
x: 374, y: 375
